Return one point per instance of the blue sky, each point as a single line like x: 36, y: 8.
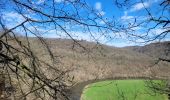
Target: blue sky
x: 107, y: 9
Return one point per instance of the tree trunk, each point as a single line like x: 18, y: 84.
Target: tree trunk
x: 2, y: 86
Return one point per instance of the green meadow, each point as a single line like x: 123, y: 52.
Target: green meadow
x: 123, y: 90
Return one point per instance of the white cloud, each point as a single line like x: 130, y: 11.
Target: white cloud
x: 40, y: 1
x: 156, y: 0
x: 139, y: 6
x: 101, y: 13
x: 12, y: 19
x: 117, y: 39
x: 12, y: 16
x: 59, y: 1
x: 158, y: 31
x: 126, y: 17
x: 102, y: 22
x: 98, y: 6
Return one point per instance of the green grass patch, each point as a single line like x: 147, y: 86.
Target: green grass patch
x: 124, y: 90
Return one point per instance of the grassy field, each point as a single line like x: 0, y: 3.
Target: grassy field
x: 121, y: 90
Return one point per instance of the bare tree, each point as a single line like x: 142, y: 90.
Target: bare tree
x: 150, y: 20
x: 20, y: 62
x: 22, y: 69
x: 154, y: 21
